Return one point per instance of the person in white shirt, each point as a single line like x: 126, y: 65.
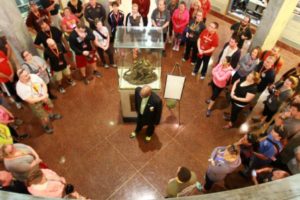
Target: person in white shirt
x: 33, y: 90
x: 102, y: 43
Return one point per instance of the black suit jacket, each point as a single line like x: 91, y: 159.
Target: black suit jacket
x: 153, y: 109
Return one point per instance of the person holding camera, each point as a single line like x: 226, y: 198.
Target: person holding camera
x: 280, y: 92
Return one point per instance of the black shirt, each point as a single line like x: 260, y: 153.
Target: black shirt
x: 241, y: 91
x: 195, y: 29
x: 42, y: 37
x: 47, y: 3
x: 238, y: 31
x: 78, y: 45
x: 57, y: 62
x: 77, y: 9
x: 267, y: 77
x: 91, y: 14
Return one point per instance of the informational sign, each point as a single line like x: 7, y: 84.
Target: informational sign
x: 174, y: 87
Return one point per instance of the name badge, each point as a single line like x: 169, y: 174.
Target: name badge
x: 60, y: 63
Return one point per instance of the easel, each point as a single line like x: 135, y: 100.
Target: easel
x: 177, y: 67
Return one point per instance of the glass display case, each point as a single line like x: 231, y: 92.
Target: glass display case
x: 138, y: 57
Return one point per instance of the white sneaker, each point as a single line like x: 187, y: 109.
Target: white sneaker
x: 202, y: 77
x: 192, y: 63
x: 177, y: 48
x: 183, y: 60
x: 174, y: 48
x: 193, y: 74
x: 106, y: 66
x: 19, y: 105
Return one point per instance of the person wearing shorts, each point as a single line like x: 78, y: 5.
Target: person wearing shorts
x: 54, y: 54
x: 80, y: 41
x: 33, y: 90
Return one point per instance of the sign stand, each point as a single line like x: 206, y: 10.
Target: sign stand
x: 174, y: 86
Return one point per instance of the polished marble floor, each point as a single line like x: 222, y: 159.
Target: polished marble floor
x: 91, y: 147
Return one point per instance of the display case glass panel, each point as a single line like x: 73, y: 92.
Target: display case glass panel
x: 138, y: 57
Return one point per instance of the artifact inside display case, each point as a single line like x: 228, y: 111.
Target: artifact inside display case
x: 139, y: 56
x: 140, y: 73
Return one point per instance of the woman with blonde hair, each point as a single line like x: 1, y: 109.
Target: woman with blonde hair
x: 194, y: 8
x: 242, y: 93
x: 20, y: 160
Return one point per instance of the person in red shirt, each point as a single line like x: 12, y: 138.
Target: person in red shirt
x: 7, y: 79
x: 208, y: 41
x: 69, y: 21
x: 278, y: 60
x: 206, y: 6
x: 144, y: 6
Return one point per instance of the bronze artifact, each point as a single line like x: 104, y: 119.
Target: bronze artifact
x: 140, y: 73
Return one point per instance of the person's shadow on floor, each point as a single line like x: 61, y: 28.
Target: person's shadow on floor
x: 153, y: 145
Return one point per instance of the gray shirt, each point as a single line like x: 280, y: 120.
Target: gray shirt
x: 247, y: 65
x: 20, y: 166
x: 221, y: 168
x: 161, y: 18
x: 33, y: 67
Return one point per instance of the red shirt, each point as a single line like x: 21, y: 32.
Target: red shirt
x: 4, y: 67
x: 70, y: 22
x: 208, y: 40
x: 206, y: 6
x: 278, y: 60
x: 144, y: 6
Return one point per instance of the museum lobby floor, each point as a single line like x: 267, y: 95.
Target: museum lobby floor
x: 91, y: 147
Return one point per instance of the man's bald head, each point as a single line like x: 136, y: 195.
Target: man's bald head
x: 50, y: 42
x: 146, y: 91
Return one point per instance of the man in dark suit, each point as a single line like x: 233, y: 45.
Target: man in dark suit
x: 148, y: 106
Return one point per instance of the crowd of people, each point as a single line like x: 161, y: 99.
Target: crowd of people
x: 67, y: 44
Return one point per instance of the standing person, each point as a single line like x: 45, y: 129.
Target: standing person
x: 183, y: 179
x: 195, y: 27
x: 7, y: 119
x: 275, y: 52
x: 49, y: 32
x: 134, y: 18
x: 294, y: 164
x: 267, y: 152
x: 36, y: 15
x: 77, y: 9
x: 115, y: 19
x: 206, y: 7
x: 267, y: 74
x: 53, y: 8
x: 221, y: 74
x: 37, y: 65
x: 242, y: 31
x: 69, y: 21
x: 180, y: 19
x: 161, y: 18
x: 20, y: 160
x: 194, y: 8
x: 80, y: 41
x: 223, y: 161
x: 207, y: 43
x: 231, y: 49
x: 278, y: 94
x: 7, y: 78
x: 33, y: 90
x: 247, y: 64
x: 242, y: 93
x: 102, y: 43
x: 54, y: 54
x: 148, y: 106
x: 172, y: 6
x: 144, y: 6
x: 94, y: 10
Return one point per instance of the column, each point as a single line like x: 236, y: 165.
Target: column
x: 12, y: 25
x: 273, y: 22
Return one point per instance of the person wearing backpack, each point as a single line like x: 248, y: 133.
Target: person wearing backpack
x: 268, y: 149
